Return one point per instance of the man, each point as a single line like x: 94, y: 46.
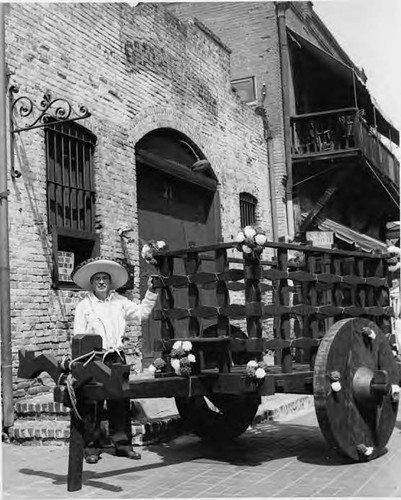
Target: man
x: 104, y: 312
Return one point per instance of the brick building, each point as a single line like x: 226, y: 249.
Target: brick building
x: 168, y: 152
x: 332, y: 149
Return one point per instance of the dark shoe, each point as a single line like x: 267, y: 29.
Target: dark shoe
x: 128, y: 452
x: 92, y: 459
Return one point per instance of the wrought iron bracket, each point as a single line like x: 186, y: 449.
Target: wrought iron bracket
x: 50, y: 110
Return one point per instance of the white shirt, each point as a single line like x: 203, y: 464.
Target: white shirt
x: 108, y: 317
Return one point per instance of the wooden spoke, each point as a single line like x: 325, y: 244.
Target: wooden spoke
x: 356, y: 388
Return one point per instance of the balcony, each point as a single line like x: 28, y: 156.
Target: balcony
x: 338, y: 134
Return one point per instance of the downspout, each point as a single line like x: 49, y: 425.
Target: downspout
x: 281, y: 8
x: 272, y: 182
x: 261, y: 111
x: 5, y: 309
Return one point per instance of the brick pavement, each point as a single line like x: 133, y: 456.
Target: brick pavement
x: 285, y: 459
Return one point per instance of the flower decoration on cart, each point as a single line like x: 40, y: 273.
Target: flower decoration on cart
x: 182, y: 358
x: 150, y: 248
x: 394, y: 259
x: 256, y: 370
x: 157, y: 366
x: 250, y: 241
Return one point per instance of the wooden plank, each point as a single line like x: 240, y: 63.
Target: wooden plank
x: 279, y: 246
x: 248, y: 345
x: 177, y: 170
x: 235, y: 384
x: 294, y: 383
x: 172, y: 386
x: 32, y: 364
x: 231, y: 275
x: 233, y: 311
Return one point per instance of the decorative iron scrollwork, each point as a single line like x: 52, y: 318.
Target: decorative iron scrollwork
x: 50, y: 110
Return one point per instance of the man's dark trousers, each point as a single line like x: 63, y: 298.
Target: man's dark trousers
x: 118, y: 413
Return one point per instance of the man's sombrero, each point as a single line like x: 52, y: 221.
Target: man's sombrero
x: 83, y: 273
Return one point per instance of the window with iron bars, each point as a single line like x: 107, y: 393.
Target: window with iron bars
x: 70, y: 197
x: 247, y: 206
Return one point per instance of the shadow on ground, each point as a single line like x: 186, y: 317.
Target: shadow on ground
x: 263, y: 443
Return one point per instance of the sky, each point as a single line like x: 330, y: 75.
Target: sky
x: 370, y: 33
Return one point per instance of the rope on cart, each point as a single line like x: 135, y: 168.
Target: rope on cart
x: 71, y: 393
x: 69, y: 380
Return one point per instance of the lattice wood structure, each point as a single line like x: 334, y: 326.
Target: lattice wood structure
x: 328, y: 286
x: 327, y: 320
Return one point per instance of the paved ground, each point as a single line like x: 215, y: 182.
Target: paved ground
x: 273, y: 460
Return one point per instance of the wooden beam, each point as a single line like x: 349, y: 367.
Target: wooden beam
x: 320, y: 204
x: 173, y: 168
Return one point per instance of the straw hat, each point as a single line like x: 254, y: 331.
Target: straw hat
x: 83, y: 273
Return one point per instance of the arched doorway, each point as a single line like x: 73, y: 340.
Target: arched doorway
x: 178, y: 202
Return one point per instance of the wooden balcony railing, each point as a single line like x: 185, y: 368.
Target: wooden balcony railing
x: 340, y: 132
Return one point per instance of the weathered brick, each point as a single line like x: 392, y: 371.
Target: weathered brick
x: 136, y: 69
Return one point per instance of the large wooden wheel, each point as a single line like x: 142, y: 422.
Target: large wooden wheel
x: 356, y: 389
x: 219, y: 417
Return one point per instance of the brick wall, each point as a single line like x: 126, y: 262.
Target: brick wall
x: 136, y: 69
x: 250, y: 31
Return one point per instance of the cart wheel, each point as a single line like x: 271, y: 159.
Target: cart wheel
x: 356, y: 389
x: 218, y: 417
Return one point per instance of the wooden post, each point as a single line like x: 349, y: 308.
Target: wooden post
x: 252, y: 272
x: 75, y: 453
x: 223, y: 300
x: 328, y: 294
x: 166, y: 297
x: 284, y: 299
x: 192, y: 263
x: 81, y: 344
x: 222, y: 295
x: 338, y: 293
x: 313, y: 301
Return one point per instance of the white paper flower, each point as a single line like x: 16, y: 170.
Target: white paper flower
x: 252, y: 364
x: 336, y: 386
x: 395, y: 268
x: 145, y: 250
x: 161, y: 244
x: 175, y: 363
x: 186, y: 345
x: 249, y: 232
x: 177, y: 344
x: 240, y: 237
x: 260, y: 239
x: 369, y: 450
x: 152, y: 368
x: 392, y: 249
x: 260, y: 373
x: 191, y: 358
x: 246, y: 249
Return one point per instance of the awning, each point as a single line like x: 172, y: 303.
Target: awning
x: 364, y: 100
x: 344, y: 233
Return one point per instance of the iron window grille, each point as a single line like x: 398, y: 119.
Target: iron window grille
x: 247, y: 205
x: 70, y: 195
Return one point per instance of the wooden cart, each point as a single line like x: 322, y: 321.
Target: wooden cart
x: 325, y: 322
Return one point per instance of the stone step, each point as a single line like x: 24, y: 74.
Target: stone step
x: 40, y: 421
x: 57, y: 432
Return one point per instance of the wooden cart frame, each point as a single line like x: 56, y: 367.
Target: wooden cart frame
x: 327, y: 320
